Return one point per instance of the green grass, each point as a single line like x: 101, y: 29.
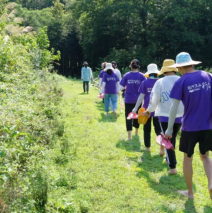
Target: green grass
x: 104, y: 173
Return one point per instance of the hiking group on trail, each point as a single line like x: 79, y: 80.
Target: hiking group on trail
x: 171, y: 103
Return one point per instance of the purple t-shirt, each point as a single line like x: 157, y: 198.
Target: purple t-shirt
x: 102, y: 72
x: 166, y: 119
x: 146, y: 88
x: 194, y: 90
x: 132, y: 82
x: 110, y: 80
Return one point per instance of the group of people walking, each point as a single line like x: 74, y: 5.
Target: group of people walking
x: 171, y: 103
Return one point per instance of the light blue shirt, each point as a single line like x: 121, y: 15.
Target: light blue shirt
x: 86, y: 73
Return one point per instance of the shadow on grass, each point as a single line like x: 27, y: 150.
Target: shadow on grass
x: 165, y: 184
x: 110, y: 118
x: 131, y: 146
x: 207, y: 209
x: 83, y: 93
x: 100, y: 106
x: 190, y: 207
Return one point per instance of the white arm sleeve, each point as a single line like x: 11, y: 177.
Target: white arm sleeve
x: 119, y: 75
x: 100, y: 82
x: 154, y: 98
x: 172, y: 116
x: 138, y: 103
x: 103, y: 87
x: 121, y: 87
x: 117, y: 86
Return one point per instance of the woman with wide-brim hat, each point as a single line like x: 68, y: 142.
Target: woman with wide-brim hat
x: 110, y: 86
x: 145, y: 91
x: 160, y: 102
x: 131, y: 81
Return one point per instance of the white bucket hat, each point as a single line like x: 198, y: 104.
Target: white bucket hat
x: 184, y: 59
x: 152, y: 69
x: 108, y: 67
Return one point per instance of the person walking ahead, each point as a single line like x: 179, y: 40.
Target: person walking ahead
x: 145, y: 91
x: 194, y: 90
x: 86, y: 76
x: 110, y: 86
x: 131, y: 81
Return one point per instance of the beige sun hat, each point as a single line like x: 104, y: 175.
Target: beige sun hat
x: 184, y: 59
x: 152, y: 69
x: 166, y: 66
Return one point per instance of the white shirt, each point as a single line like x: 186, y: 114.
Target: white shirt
x: 160, y: 101
x: 118, y: 73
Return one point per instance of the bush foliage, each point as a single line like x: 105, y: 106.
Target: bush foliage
x: 29, y: 119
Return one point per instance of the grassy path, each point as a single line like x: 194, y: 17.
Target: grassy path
x: 115, y: 176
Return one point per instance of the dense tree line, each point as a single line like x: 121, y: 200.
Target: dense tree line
x: 105, y: 30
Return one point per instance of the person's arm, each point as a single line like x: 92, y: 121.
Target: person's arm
x: 172, y: 116
x: 119, y: 75
x: 103, y: 87
x: 138, y: 103
x: 117, y: 86
x: 100, y: 82
x: 91, y: 75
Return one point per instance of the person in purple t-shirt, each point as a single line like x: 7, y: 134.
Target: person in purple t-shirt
x: 110, y: 86
x: 145, y: 91
x: 131, y: 81
x: 194, y: 90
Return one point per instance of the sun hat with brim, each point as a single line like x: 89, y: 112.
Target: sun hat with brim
x: 184, y: 59
x: 152, y: 69
x: 166, y: 66
x: 108, y: 67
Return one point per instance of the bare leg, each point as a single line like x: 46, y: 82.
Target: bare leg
x: 136, y: 131
x: 188, y: 174
x: 148, y: 149
x: 115, y: 114
x: 162, y: 151
x: 129, y: 135
x: 208, y: 170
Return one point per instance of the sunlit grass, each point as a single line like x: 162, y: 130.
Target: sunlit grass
x: 113, y: 175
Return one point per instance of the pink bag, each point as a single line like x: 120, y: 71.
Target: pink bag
x: 132, y: 116
x: 164, y: 142
x: 101, y: 95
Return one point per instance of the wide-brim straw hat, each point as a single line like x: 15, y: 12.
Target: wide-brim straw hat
x: 152, y: 69
x: 184, y: 59
x: 166, y: 66
x: 108, y: 67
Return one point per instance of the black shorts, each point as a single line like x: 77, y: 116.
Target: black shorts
x: 188, y: 141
